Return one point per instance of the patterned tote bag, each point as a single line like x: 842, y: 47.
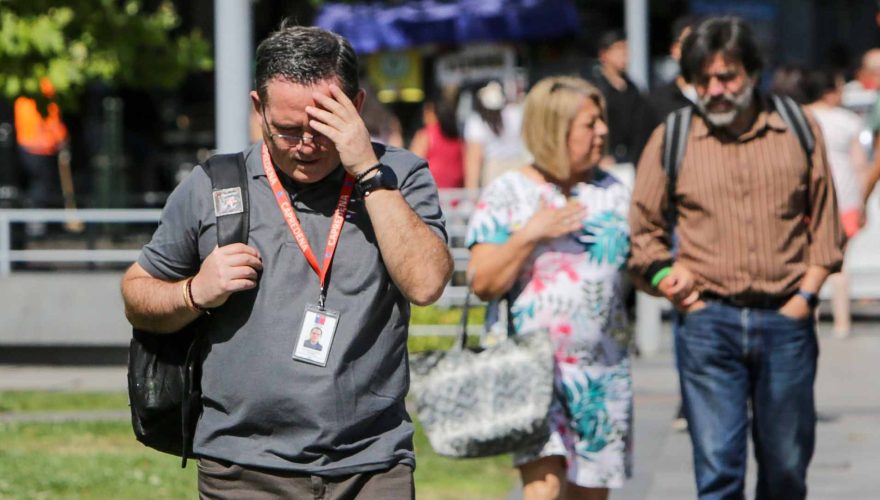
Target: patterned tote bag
x: 477, y: 402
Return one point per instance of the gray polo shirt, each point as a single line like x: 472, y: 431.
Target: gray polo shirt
x: 262, y: 408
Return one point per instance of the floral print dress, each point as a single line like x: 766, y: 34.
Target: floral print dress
x: 572, y: 287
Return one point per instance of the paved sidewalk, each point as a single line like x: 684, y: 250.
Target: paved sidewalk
x: 847, y: 457
x: 62, y: 378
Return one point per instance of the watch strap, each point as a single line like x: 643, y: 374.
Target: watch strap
x: 384, y: 178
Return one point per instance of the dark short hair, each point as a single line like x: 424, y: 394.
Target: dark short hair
x: 445, y: 107
x: 790, y: 80
x: 819, y: 82
x: 306, y: 55
x: 680, y: 25
x: 730, y: 36
x: 609, y: 38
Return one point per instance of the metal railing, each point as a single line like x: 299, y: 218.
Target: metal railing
x: 8, y: 217
x: 457, y: 205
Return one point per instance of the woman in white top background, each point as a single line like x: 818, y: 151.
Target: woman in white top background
x: 840, y: 127
x: 492, y: 137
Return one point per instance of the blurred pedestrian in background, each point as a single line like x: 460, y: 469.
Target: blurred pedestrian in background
x: 823, y: 90
x: 552, y: 237
x: 790, y: 80
x: 440, y: 142
x: 757, y: 233
x: 629, y: 115
x: 841, y: 128
x: 860, y: 94
x: 677, y: 93
x: 492, y: 137
x: 41, y: 137
x: 383, y: 125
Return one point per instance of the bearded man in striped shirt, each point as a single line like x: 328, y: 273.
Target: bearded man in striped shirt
x: 756, y: 233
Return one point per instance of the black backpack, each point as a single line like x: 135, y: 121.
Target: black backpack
x: 675, y: 136
x: 164, y: 370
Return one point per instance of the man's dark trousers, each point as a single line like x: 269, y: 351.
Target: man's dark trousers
x: 729, y: 357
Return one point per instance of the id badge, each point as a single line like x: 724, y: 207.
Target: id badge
x: 316, y: 336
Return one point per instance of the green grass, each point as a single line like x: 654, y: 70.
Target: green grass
x: 441, y: 478
x: 86, y: 460
x: 102, y: 460
x: 433, y: 315
x: 32, y: 401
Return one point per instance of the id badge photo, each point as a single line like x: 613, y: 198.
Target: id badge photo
x: 316, y: 336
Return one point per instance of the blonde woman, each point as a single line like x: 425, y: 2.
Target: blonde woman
x: 553, y: 236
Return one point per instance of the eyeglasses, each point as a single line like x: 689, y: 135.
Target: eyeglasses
x: 290, y: 141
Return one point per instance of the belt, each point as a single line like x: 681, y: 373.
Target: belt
x: 750, y: 302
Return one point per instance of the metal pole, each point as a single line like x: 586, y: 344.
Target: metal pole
x: 648, y: 309
x: 637, y: 38
x: 5, y: 244
x: 648, y: 323
x: 233, y: 52
x: 109, y: 163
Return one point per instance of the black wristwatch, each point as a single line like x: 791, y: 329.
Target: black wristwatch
x: 811, y: 298
x: 383, y: 179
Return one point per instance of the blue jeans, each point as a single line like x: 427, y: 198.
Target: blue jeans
x: 729, y: 358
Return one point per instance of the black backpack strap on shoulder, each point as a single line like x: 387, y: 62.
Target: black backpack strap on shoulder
x: 793, y: 116
x: 678, y: 124
x: 229, y: 191
x: 229, y: 183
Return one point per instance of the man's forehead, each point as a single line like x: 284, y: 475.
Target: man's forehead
x: 719, y: 63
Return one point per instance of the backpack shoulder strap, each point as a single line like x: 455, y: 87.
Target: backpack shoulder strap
x: 229, y: 182
x: 793, y: 116
x: 678, y: 124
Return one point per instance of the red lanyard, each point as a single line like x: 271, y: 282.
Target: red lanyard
x: 286, y: 207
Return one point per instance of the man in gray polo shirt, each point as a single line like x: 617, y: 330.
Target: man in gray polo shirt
x: 281, y: 419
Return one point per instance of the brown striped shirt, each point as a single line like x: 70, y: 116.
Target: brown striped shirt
x: 745, y: 226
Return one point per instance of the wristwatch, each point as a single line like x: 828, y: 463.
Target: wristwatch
x: 383, y: 179
x: 811, y: 298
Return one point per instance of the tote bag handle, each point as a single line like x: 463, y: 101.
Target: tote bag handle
x: 461, y: 339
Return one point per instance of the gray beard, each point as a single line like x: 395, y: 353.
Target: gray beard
x: 741, y: 103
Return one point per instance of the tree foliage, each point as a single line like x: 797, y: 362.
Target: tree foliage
x: 74, y: 42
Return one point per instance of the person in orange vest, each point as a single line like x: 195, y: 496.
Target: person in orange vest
x: 40, y: 138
